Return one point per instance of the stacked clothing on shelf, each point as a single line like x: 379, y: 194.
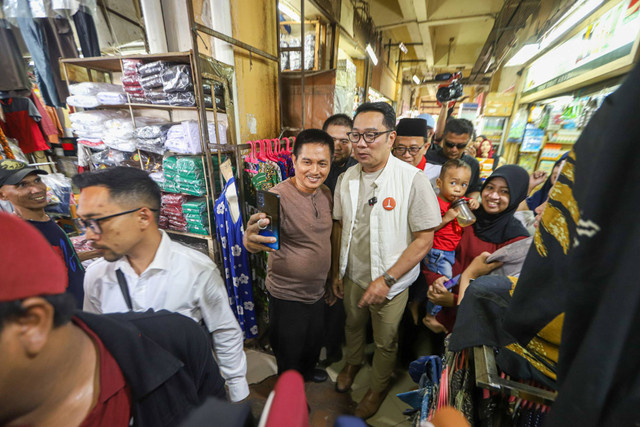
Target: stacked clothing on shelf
x: 165, y: 83
x: 91, y: 95
x: 88, y: 126
x: 152, y: 137
x: 120, y: 132
x: 184, y: 138
x: 184, y: 175
x: 171, y: 215
x: 196, y: 214
x: 131, y: 81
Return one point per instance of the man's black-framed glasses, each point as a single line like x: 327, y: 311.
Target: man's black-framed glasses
x: 400, y: 151
x: 94, y: 223
x: 458, y: 146
x: 341, y: 141
x: 369, y: 137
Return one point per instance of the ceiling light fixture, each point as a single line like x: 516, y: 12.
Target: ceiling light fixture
x: 416, y: 79
x: 525, y: 53
x: 289, y: 11
x: 372, y: 55
x: 574, y: 15
x: 403, y: 48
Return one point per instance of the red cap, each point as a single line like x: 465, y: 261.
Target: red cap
x: 29, y: 265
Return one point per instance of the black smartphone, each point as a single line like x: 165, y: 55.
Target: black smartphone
x: 269, y: 203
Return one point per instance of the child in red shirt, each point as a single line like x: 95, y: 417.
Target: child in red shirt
x: 452, y: 183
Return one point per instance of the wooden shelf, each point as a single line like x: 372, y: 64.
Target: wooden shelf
x: 152, y: 107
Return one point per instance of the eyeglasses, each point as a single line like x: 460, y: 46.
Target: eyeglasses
x: 341, y: 141
x: 400, y: 151
x: 94, y: 223
x: 458, y: 146
x: 369, y: 137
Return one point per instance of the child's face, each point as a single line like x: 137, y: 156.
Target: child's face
x: 454, y: 184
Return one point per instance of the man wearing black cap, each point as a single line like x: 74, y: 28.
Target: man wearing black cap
x: 413, y: 141
x: 22, y: 186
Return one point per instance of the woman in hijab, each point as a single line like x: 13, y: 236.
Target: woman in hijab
x: 494, y: 228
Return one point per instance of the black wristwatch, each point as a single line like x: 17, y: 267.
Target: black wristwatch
x: 389, y: 280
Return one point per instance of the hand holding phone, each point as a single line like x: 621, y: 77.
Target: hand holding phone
x: 269, y: 203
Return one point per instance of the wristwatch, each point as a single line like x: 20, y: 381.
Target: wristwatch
x: 389, y: 280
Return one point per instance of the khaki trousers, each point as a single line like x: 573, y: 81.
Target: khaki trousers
x: 385, y: 319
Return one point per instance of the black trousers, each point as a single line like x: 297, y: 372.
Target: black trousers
x: 296, y: 333
x: 334, y: 318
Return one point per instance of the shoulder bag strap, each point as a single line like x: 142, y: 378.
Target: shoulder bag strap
x: 122, y: 281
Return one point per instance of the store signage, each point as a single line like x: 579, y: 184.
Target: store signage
x: 499, y: 104
x: 609, y: 38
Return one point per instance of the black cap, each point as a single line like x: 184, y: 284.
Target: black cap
x: 412, y: 127
x: 14, y: 171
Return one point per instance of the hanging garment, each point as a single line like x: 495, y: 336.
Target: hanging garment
x: 49, y: 128
x: 22, y: 119
x: 236, y: 260
x: 13, y: 74
x: 86, y: 29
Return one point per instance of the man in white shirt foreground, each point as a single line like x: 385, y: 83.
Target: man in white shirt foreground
x: 118, y: 208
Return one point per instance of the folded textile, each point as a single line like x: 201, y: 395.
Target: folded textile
x: 122, y: 144
x: 177, y: 78
x: 112, y: 98
x: 130, y: 66
x: 152, y: 67
x: 91, y: 88
x: 83, y: 101
x: 154, y: 145
x: 184, y: 138
x: 92, y: 142
x: 151, y: 81
x: 154, y: 131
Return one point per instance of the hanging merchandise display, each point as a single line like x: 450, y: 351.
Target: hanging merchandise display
x: 13, y: 73
x: 22, y: 119
x: 230, y: 228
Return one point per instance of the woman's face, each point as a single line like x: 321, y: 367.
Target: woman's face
x: 556, y: 172
x: 495, y: 196
x: 485, y: 147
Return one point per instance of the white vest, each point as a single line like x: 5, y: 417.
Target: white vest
x: 389, y: 230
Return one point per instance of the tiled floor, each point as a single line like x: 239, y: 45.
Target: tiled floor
x: 327, y: 404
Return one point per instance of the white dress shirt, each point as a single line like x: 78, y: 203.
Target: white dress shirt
x: 182, y: 280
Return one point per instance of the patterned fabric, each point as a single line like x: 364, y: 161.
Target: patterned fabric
x: 236, y: 263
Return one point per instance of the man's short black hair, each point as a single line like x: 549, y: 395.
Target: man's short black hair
x: 453, y: 164
x: 389, y: 120
x: 128, y: 185
x: 312, y: 136
x: 63, y: 307
x: 338, y: 120
x: 459, y: 127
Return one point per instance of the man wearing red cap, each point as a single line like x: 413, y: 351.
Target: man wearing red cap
x: 60, y: 368
x: 22, y: 186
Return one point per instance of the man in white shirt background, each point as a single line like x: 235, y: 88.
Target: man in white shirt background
x: 119, y: 208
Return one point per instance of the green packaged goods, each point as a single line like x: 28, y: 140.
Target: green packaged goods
x: 195, y: 218
x: 197, y: 229
x: 170, y: 163
x: 190, y: 167
x: 195, y: 206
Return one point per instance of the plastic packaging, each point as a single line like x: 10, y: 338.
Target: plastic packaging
x: 177, y: 78
x: 153, y: 145
x: 151, y: 81
x: 112, y: 98
x: 90, y: 88
x: 130, y: 67
x: 154, y: 131
x: 83, y: 101
x: 184, y: 138
x: 122, y: 144
x: 58, y: 192
x: 190, y: 167
x: 195, y: 206
x: 152, y: 68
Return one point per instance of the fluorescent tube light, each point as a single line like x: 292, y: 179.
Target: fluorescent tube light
x: 372, y: 55
x: 403, y: 48
x: 416, y: 79
x: 289, y: 11
x: 525, y: 53
x: 571, y: 18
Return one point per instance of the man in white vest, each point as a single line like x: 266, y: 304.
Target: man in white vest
x: 385, y: 213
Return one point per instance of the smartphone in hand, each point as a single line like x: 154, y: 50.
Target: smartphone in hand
x: 269, y: 203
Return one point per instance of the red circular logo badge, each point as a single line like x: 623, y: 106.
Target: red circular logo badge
x: 389, y: 203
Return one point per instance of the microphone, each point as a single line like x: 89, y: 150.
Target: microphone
x: 373, y: 201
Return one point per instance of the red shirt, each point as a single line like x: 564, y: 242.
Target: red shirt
x: 448, y: 237
x: 113, y: 408
x: 422, y: 163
